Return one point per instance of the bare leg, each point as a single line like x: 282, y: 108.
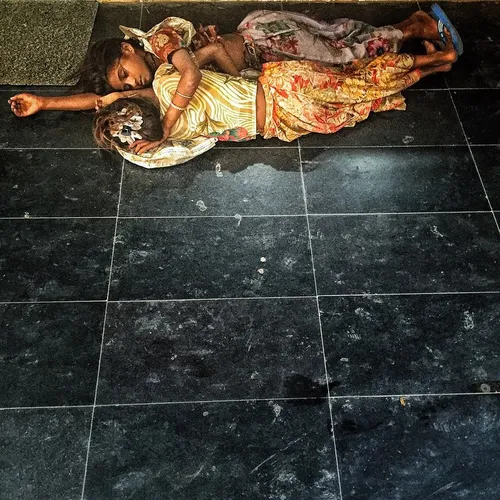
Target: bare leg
x: 431, y: 50
x: 436, y: 58
x: 419, y: 25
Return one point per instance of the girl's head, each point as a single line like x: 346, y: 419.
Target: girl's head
x: 127, y: 120
x: 114, y: 64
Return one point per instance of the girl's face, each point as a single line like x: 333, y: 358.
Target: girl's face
x: 130, y: 71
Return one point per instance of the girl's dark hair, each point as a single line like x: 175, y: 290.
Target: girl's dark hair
x: 112, y: 117
x: 100, y: 58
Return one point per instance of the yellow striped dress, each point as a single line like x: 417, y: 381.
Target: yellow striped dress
x: 222, y: 106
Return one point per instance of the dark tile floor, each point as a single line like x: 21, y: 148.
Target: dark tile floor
x: 154, y: 350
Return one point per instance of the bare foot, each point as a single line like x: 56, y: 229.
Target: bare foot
x: 444, y: 57
x: 423, y: 26
x: 430, y: 48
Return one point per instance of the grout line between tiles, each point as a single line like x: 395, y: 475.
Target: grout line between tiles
x: 228, y: 299
x: 473, y: 158
x: 320, y: 325
x: 102, y: 335
x: 251, y: 216
x: 240, y: 148
x: 140, y: 15
x: 250, y: 400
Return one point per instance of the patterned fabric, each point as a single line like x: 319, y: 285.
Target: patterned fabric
x: 304, y: 97
x: 222, y: 106
x: 277, y: 36
x: 301, y: 97
x: 164, y: 38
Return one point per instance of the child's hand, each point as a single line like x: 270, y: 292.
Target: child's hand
x: 106, y: 100
x: 23, y: 105
x: 142, y: 146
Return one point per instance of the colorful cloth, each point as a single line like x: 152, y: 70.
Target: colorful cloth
x: 278, y: 36
x: 164, y: 38
x: 304, y: 97
x: 301, y: 97
x: 222, y: 106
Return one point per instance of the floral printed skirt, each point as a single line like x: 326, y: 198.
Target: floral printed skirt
x: 277, y: 36
x: 304, y: 97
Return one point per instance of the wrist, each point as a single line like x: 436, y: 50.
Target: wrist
x: 44, y: 102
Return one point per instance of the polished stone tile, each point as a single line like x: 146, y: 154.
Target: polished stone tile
x: 59, y: 183
x: 429, y: 119
x: 480, y: 115
x: 220, y: 182
x: 55, y: 259
x: 47, y: 129
x: 488, y: 162
x: 49, y: 353
x: 211, y: 257
x: 478, y: 24
x: 43, y: 453
x: 111, y: 15
x: 441, y: 447
x: 232, y: 450
x: 391, y: 180
x: 411, y: 344
x: 405, y: 253
x: 208, y: 350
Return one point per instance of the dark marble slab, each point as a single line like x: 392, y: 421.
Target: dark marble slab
x: 479, y: 114
x: 227, y: 182
x: 441, y: 447
x: 43, y: 453
x: 111, y: 15
x: 429, y: 119
x: 208, y: 350
x: 391, y: 180
x: 210, y: 258
x: 47, y: 129
x: 405, y: 253
x: 49, y: 353
x: 478, y: 24
x: 204, y: 451
x: 488, y: 162
x: 411, y: 345
x: 59, y: 183
x: 55, y: 259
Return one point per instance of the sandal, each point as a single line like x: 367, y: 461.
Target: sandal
x: 443, y: 22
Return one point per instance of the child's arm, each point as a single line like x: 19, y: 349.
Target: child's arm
x: 23, y: 105
x: 216, y: 53
x: 28, y: 104
x: 106, y: 100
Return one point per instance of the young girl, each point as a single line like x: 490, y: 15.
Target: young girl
x: 290, y: 99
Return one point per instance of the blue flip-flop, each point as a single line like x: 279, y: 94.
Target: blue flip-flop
x: 443, y: 22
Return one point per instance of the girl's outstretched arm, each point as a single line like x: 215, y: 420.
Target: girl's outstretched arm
x: 23, y: 105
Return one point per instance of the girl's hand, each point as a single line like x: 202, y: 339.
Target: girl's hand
x: 106, y: 100
x: 23, y: 105
x: 142, y: 146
